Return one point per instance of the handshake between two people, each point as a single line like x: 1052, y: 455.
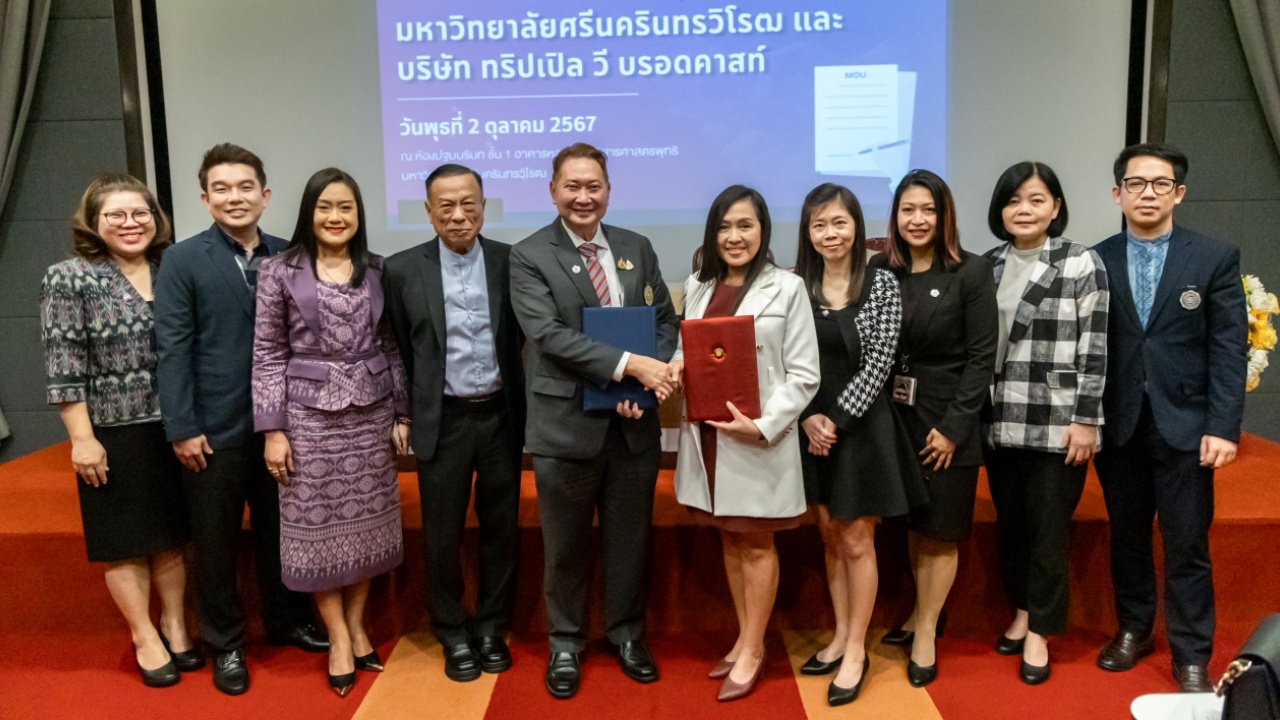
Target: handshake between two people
x: 665, y: 378
x: 655, y: 375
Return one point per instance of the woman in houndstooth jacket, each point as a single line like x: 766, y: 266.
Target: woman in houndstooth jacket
x: 1046, y: 401
x: 857, y: 458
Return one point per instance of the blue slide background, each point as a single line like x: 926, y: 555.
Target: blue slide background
x: 674, y: 140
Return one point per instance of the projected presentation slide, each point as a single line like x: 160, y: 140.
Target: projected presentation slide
x: 684, y: 99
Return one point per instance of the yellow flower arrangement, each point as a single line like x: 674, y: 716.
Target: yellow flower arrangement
x: 1262, y: 336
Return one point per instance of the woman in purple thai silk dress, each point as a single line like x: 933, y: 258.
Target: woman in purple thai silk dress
x: 329, y: 392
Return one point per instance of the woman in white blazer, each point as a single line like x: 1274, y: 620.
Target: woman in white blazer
x: 743, y: 476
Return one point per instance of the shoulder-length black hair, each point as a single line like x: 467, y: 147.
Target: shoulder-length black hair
x: 810, y: 264
x: 713, y: 266
x: 946, y: 235
x: 1008, y: 184
x: 304, y: 240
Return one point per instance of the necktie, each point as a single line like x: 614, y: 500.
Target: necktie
x: 598, y: 279
x: 1145, y: 293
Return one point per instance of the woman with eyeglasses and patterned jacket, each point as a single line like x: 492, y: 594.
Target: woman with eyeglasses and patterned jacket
x: 100, y: 358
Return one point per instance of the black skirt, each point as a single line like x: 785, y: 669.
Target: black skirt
x: 140, y: 510
x: 948, y: 516
x: 871, y: 471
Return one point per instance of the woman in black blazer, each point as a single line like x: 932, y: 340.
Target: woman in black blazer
x: 946, y: 356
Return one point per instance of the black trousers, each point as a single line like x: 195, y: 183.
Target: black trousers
x: 474, y: 438
x: 1146, y: 479
x: 215, y: 499
x: 620, y: 485
x: 1035, y: 495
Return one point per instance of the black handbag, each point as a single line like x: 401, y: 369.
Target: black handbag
x: 1249, y: 687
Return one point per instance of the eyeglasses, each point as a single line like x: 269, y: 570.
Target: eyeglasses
x: 117, y: 218
x: 1137, y: 185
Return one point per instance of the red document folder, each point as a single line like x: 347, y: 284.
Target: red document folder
x: 720, y: 366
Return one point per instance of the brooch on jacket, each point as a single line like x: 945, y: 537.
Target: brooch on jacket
x: 625, y: 265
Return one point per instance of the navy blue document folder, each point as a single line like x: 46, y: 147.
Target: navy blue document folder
x: 634, y: 329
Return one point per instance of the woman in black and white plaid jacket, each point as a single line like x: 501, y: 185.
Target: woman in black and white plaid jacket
x: 1046, y: 401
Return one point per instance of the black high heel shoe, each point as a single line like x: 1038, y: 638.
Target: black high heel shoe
x: 342, y: 684
x: 163, y: 676
x: 903, y: 638
x: 186, y: 661
x: 370, y: 662
x: 1009, y: 646
x: 837, y: 695
x: 919, y: 676
x: 814, y: 666
x: 1033, y: 674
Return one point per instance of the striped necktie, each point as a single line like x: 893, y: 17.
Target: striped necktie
x: 598, y: 278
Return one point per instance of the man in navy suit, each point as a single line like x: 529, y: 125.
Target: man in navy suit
x: 1173, y: 403
x: 204, y: 332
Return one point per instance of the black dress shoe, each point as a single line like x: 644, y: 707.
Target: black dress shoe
x: 837, y: 695
x: 342, y: 684
x: 637, y: 662
x: 904, y: 638
x: 1192, y: 678
x: 1033, y: 674
x: 460, y: 663
x: 304, y: 637
x: 814, y: 666
x: 188, y: 660
x: 163, y: 676
x: 563, y: 675
x: 1009, y: 646
x: 230, y: 674
x: 495, y: 656
x: 920, y: 676
x: 370, y: 662
x: 1125, y: 650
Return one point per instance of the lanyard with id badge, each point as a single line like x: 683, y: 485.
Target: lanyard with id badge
x: 904, y: 386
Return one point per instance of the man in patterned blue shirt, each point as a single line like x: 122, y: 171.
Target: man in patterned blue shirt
x: 1173, y: 403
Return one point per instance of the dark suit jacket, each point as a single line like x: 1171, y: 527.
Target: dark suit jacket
x: 415, y: 304
x: 1190, y: 362
x: 548, y: 298
x: 951, y: 340
x: 204, y: 333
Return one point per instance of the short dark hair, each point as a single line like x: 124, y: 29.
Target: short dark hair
x: 809, y: 262
x: 714, y: 266
x: 946, y: 235
x: 1008, y: 184
x: 86, y: 241
x: 303, y: 243
x: 579, y: 150
x: 228, y: 154
x: 452, y: 170
x: 1168, y: 153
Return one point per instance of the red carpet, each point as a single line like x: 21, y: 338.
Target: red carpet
x: 66, y: 650
x: 683, y: 690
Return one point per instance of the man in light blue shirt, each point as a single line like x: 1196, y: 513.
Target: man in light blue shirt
x: 450, y: 306
x: 1173, y: 404
x: 1146, y: 264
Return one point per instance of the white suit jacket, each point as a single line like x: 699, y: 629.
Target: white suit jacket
x: 751, y: 481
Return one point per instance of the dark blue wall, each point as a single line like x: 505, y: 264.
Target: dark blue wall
x: 75, y: 131
x: 1233, y: 190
